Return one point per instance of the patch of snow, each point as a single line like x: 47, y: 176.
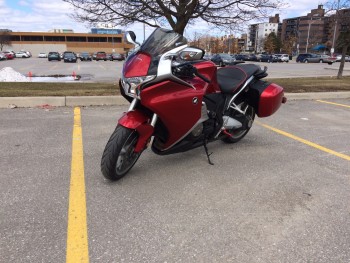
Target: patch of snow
x: 8, y: 74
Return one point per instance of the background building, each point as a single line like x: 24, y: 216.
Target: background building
x: 37, y: 42
x: 259, y: 32
x: 313, y: 32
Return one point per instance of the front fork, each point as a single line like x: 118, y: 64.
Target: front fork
x: 137, y: 120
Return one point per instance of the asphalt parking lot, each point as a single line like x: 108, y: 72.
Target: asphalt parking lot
x: 110, y: 71
x: 280, y: 195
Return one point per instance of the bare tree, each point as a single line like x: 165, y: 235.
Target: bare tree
x: 341, y: 18
x: 176, y: 13
x: 5, y: 39
x: 272, y: 43
x: 288, y: 44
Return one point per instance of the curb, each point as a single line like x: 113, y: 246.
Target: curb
x: 69, y: 101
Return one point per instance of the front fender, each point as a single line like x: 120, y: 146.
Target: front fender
x: 138, y: 121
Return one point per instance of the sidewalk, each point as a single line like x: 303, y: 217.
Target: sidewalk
x: 23, y: 102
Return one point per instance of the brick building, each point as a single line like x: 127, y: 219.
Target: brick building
x: 314, y: 32
x: 37, y: 42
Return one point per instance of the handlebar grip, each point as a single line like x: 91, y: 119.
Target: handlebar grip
x: 201, y: 76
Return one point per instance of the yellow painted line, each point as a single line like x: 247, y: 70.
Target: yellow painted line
x: 337, y: 104
x: 319, y: 147
x: 77, y: 238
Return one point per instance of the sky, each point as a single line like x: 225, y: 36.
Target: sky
x: 44, y: 15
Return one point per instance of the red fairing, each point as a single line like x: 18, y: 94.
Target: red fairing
x: 270, y: 100
x: 208, y: 70
x: 178, y: 106
x: 137, y: 66
x: 139, y: 121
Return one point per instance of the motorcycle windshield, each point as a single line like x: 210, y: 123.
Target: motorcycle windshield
x: 145, y: 61
x: 161, y: 41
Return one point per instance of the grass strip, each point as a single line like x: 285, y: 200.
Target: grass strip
x: 316, y: 84
x: 38, y: 89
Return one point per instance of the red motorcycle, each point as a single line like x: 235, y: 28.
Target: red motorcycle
x: 183, y: 101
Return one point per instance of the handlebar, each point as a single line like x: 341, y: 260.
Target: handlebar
x: 188, y: 70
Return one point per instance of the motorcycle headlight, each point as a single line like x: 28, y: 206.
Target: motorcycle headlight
x: 130, y: 84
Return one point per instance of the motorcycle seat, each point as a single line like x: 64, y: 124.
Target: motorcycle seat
x: 233, y: 77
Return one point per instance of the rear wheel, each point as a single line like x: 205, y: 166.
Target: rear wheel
x: 246, y: 119
x: 119, y: 156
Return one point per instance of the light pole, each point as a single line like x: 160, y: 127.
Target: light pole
x: 308, y: 34
x: 335, y: 29
x: 144, y: 32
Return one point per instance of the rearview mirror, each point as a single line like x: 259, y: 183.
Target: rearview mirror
x: 191, y: 54
x: 130, y: 37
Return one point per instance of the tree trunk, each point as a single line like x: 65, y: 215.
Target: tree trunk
x: 342, y: 62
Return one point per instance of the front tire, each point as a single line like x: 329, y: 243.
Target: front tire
x: 119, y: 156
x: 247, y: 121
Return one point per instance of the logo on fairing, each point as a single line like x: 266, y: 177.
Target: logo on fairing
x: 195, y: 100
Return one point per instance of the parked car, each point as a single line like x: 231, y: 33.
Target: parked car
x: 268, y: 58
x: 222, y: 59
x: 207, y: 57
x: 282, y: 57
x: 69, y: 57
x: 2, y: 56
x: 8, y: 54
x: 85, y: 56
x: 252, y: 57
x: 242, y: 57
x: 27, y: 52
x: 338, y: 58
x: 42, y: 55
x: 316, y: 58
x: 117, y: 56
x: 302, y: 56
x: 54, y: 56
x: 21, y: 54
x: 101, y: 55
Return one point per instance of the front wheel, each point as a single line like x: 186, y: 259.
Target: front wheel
x: 119, y: 156
x: 246, y: 119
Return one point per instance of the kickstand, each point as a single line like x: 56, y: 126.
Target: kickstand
x: 206, y: 151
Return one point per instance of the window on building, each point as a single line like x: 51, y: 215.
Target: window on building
x: 97, y: 39
x: 15, y: 38
x: 115, y: 39
x: 54, y: 38
x: 76, y: 39
x: 32, y: 38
